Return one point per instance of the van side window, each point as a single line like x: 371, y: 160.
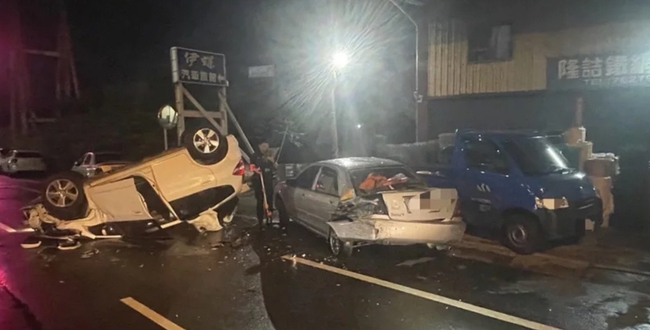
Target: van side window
x: 485, y: 156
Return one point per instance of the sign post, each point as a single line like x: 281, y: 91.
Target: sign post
x: 191, y: 66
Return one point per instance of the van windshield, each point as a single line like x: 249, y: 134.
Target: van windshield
x: 536, y: 156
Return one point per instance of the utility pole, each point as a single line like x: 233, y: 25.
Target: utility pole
x: 421, y: 111
x: 65, y: 78
x: 335, y: 131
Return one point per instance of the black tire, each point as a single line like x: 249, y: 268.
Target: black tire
x: 338, y: 247
x: 523, y: 234
x: 225, y: 210
x: 68, y: 209
x: 580, y: 232
x: 283, y: 215
x: 209, y: 154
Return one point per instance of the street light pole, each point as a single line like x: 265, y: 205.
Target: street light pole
x: 416, y: 93
x: 335, y: 131
x: 339, y: 61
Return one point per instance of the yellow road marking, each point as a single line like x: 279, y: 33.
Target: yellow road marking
x: 425, y: 295
x: 150, y: 314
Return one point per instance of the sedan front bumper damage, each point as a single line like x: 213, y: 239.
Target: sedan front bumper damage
x: 390, y: 232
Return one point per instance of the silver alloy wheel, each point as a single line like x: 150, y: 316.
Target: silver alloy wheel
x: 335, y: 244
x: 62, y: 193
x: 518, y: 234
x: 206, y: 140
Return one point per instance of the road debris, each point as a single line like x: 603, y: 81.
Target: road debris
x: 89, y: 253
x: 410, y: 263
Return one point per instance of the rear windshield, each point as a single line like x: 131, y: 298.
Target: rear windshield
x: 28, y: 154
x: 107, y: 157
x: 373, y: 180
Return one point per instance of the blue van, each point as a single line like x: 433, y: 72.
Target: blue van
x: 519, y: 184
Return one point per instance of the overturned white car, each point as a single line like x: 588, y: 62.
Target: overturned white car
x: 198, y: 183
x: 359, y: 201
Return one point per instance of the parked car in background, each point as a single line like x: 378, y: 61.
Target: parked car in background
x: 17, y: 161
x: 92, y: 163
x: 517, y: 183
x: 359, y: 201
x: 198, y: 183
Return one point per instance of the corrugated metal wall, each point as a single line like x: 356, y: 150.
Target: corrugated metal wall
x: 450, y: 74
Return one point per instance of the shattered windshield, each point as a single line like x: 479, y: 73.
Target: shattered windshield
x: 373, y: 180
x: 536, y: 156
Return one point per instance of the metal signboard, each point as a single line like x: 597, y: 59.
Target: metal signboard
x: 262, y: 71
x: 598, y: 71
x: 198, y: 67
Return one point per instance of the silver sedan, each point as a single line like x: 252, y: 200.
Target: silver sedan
x: 359, y: 201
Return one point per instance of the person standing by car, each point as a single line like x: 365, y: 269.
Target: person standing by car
x: 263, y: 182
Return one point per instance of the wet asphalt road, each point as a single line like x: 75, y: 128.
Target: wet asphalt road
x: 236, y: 279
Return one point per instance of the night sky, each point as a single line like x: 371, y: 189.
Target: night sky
x: 121, y: 42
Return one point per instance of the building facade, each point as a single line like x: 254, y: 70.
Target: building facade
x: 532, y: 64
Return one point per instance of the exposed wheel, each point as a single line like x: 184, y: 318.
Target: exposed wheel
x: 64, y: 197
x: 338, y: 247
x: 282, y: 212
x: 580, y: 232
x: 205, y: 144
x: 226, y: 213
x: 523, y: 234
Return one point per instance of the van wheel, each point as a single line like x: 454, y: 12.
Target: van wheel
x: 580, y: 232
x: 523, y: 234
x: 205, y: 144
x: 338, y: 247
x: 63, y: 196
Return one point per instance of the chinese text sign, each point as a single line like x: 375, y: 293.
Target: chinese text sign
x: 198, y: 67
x: 598, y: 71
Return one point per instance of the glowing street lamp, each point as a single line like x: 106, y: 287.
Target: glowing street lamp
x: 340, y: 60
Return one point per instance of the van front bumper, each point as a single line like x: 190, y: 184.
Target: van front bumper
x: 570, y: 221
x: 390, y: 232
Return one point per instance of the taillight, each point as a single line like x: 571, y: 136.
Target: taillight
x: 457, y: 212
x: 240, y: 169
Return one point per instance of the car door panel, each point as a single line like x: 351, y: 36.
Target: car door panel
x: 299, y: 194
x: 324, y: 199
x: 120, y: 201
x: 180, y: 176
x: 483, y: 180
